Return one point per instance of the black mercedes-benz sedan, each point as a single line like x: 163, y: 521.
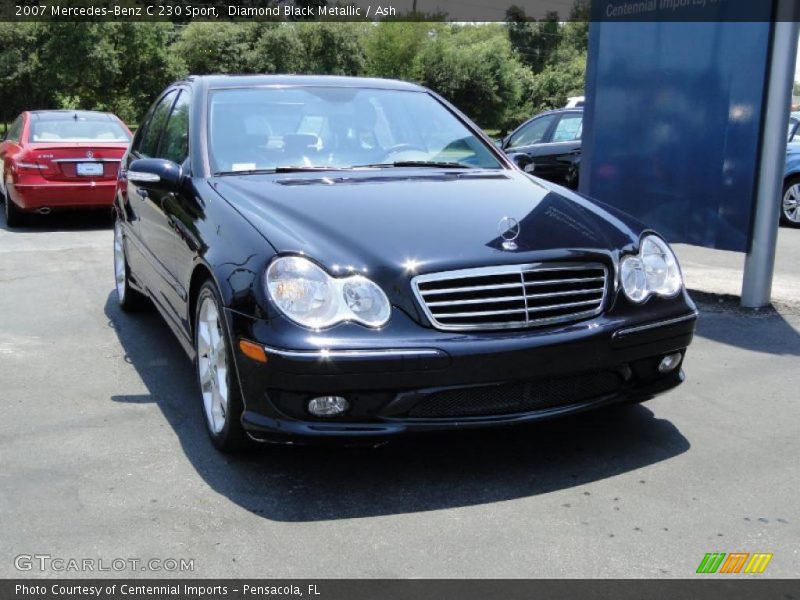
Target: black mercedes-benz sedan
x: 353, y: 259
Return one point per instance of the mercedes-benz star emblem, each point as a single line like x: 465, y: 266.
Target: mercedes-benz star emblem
x: 89, y: 154
x: 509, y: 231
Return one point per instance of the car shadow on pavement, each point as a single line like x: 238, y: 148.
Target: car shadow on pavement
x: 315, y: 483
x: 767, y: 331
x: 68, y: 220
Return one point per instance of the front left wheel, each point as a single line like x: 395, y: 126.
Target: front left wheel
x: 219, y: 386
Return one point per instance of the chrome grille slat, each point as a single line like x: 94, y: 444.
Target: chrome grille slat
x: 512, y: 296
x: 567, y: 293
x: 504, y: 286
x: 489, y: 300
x: 560, y: 306
x: 483, y: 313
x: 560, y: 281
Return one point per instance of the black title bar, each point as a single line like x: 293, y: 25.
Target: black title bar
x: 186, y: 11
x: 382, y: 589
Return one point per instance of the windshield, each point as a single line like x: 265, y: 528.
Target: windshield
x: 73, y: 128
x: 337, y: 128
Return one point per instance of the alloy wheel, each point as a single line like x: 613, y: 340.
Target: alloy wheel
x: 791, y: 204
x: 212, y: 364
x: 120, y: 270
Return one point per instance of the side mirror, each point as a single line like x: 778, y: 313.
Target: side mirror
x: 155, y: 174
x: 523, y: 161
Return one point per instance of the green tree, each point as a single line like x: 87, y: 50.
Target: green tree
x: 393, y: 48
x: 334, y: 48
x: 279, y: 49
x: 21, y: 86
x: 92, y: 66
x: 551, y: 88
x: 477, y: 72
x: 534, y: 41
x: 219, y: 47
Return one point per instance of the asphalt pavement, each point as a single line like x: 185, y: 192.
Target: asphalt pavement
x: 103, y: 455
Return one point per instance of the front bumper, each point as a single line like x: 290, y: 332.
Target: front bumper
x: 393, y: 381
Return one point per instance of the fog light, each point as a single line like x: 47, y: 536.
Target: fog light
x: 670, y: 362
x: 328, y: 406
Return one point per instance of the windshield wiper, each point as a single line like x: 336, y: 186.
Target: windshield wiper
x: 421, y: 163
x: 314, y: 169
x: 309, y: 168
x: 284, y: 169
x: 244, y: 172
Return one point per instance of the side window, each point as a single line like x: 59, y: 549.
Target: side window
x: 175, y: 141
x: 569, y: 128
x: 532, y: 133
x: 15, y: 130
x: 793, y: 133
x: 152, y: 134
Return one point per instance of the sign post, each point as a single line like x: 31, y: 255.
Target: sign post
x: 759, y: 264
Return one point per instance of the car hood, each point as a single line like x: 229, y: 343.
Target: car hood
x: 422, y: 221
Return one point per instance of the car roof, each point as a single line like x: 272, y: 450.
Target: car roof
x: 556, y: 111
x: 233, y: 81
x: 86, y: 115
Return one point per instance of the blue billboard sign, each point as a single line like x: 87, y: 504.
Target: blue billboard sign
x: 673, y: 122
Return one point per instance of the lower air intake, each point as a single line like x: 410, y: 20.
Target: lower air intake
x: 519, y: 397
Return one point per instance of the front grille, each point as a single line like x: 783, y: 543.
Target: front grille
x: 512, y: 296
x: 512, y: 398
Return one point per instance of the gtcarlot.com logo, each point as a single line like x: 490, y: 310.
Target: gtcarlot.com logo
x: 734, y: 563
x: 59, y: 564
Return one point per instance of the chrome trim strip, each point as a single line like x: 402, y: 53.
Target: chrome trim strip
x: 557, y: 281
x: 568, y: 293
x: 142, y: 177
x: 558, y: 306
x: 656, y: 324
x: 474, y: 288
x: 521, y: 270
x: 334, y: 354
x: 482, y: 313
x: 85, y: 160
x: 497, y: 300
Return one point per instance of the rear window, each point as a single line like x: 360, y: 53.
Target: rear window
x: 77, y: 129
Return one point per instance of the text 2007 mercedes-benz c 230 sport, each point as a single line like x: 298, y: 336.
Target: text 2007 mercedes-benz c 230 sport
x: 352, y: 258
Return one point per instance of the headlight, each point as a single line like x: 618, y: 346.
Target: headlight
x: 654, y: 270
x: 310, y: 297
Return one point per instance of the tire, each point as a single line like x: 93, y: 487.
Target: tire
x: 216, y: 373
x: 790, y: 202
x: 129, y: 299
x: 14, y: 216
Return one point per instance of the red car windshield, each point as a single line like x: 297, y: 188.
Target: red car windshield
x: 71, y: 129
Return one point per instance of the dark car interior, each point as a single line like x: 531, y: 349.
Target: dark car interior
x: 337, y: 128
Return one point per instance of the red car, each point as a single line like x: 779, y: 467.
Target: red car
x: 54, y: 159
